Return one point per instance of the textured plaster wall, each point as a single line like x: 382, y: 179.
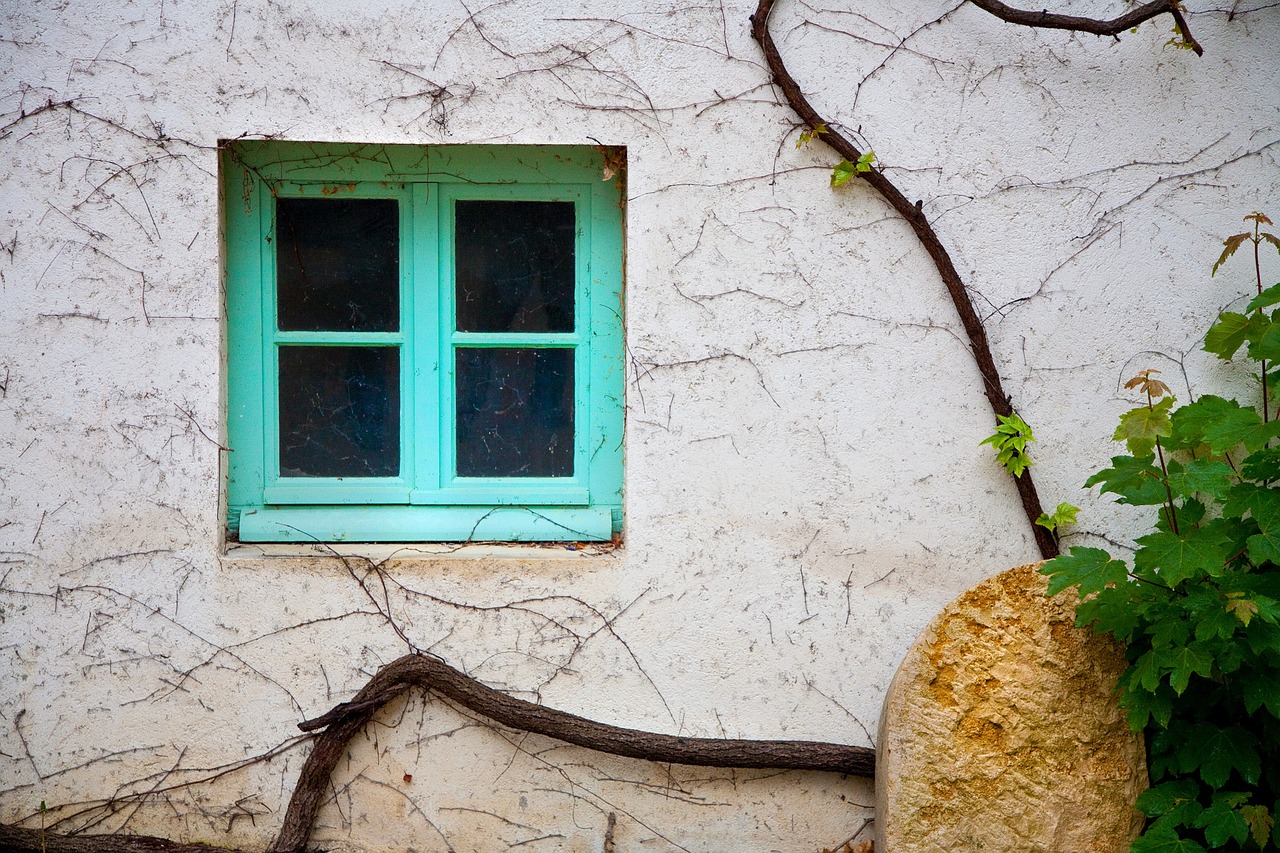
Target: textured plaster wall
x: 804, y: 486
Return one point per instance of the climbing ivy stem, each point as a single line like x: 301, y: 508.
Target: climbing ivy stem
x: 979, y: 346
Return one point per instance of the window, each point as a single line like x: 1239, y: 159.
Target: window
x: 424, y: 342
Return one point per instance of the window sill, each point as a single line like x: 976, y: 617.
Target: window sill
x: 255, y: 551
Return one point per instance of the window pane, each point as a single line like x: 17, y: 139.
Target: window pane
x: 338, y: 264
x: 514, y: 266
x: 515, y: 412
x: 339, y: 411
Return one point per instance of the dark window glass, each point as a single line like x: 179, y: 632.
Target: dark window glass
x: 339, y: 411
x: 515, y: 412
x: 338, y: 264
x: 514, y: 266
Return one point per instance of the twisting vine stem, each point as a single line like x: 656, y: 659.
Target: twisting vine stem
x: 979, y: 346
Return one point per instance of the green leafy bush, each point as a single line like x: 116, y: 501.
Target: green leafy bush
x: 1199, y: 609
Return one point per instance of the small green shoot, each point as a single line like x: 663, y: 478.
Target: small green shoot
x: 1065, y: 514
x: 845, y: 170
x: 809, y: 134
x: 1010, y: 442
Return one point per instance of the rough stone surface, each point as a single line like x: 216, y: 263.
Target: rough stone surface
x: 1000, y: 731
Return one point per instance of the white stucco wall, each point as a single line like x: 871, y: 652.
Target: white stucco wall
x: 804, y: 486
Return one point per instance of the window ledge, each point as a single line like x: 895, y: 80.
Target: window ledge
x: 254, y: 551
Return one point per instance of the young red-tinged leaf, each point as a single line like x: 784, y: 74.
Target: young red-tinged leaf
x: 1144, y: 382
x: 1227, y: 335
x: 1260, y: 823
x: 1229, y: 248
x: 1272, y: 239
x: 1259, y: 217
x: 1089, y: 568
x: 1243, y: 609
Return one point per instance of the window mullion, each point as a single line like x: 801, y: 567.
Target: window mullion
x: 427, y: 245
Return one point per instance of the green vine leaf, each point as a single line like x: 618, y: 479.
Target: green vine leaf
x: 1065, y: 514
x: 1135, y: 479
x: 844, y: 170
x: 1091, y: 569
x: 1142, y: 427
x: 1221, y: 822
x: 1172, y: 558
x: 1010, y: 441
x: 1227, y: 335
x: 1165, y: 840
x: 1217, y: 751
x: 809, y: 133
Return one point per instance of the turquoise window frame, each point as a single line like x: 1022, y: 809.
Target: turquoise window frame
x: 427, y: 501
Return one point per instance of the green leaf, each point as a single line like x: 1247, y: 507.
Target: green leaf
x: 1261, y: 688
x: 1264, y: 338
x: 1216, y: 752
x: 1237, y: 425
x: 843, y: 171
x: 1265, y: 547
x: 1111, y: 611
x: 1192, y: 420
x: 1265, y: 299
x: 865, y: 161
x: 1163, y: 798
x: 1140, y: 428
x: 1065, y: 514
x: 1174, y: 558
x: 1135, y: 479
x: 1262, y: 464
x: 1164, y: 840
x: 1217, y: 622
x: 1141, y: 707
x: 1183, y: 662
x: 1010, y: 441
x: 1260, y: 502
x: 1221, y: 822
x: 1210, y: 476
x: 1227, y: 335
x: 1089, y: 568
x: 1145, y: 672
